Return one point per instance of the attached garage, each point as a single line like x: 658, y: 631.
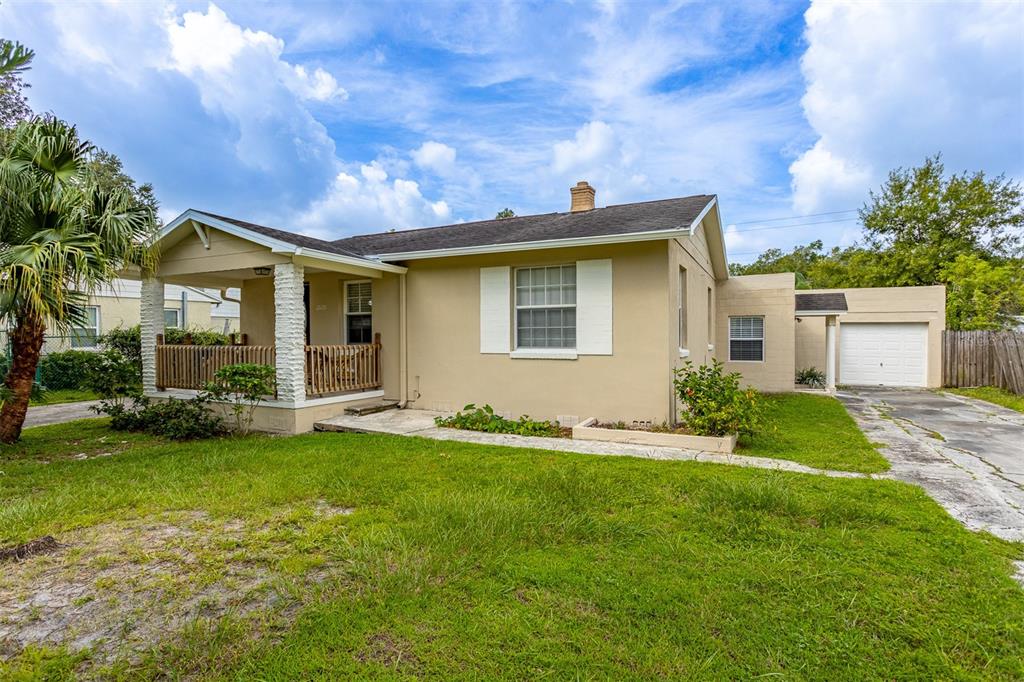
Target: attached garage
x: 883, y: 354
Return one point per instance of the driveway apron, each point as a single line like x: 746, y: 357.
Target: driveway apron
x: 967, y: 454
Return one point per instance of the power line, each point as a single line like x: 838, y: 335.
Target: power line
x: 794, y: 217
x: 786, y: 227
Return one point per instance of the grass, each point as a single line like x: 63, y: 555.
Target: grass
x: 814, y: 430
x: 992, y: 394
x: 468, y: 561
x: 63, y: 395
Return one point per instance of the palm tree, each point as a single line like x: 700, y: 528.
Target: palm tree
x: 60, y: 238
x: 14, y: 57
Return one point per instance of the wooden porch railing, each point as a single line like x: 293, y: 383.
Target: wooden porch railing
x: 336, y: 369
x: 187, y: 366
x: 329, y: 369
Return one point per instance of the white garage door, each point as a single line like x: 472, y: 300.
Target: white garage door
x: 883, y: 354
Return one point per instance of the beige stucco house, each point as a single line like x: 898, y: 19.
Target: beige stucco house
x: 561, y: 316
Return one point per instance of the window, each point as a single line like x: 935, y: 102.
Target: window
x: 681, y: 308
x: 86, y: 335
x: 546, y: 307
x: 358, y: 312
x: 746, y: 339
x: 172, y: 318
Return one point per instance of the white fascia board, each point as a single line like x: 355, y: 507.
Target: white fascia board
x: 275, y: 245
x: 819, y: 313
x: 653, y: 235
x: 702, y: 215
x: 200, y: 292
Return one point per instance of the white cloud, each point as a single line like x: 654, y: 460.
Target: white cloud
x: 890, y: 83
x: 435, y: 156
x: 593, y: 143
x: 370, y: 203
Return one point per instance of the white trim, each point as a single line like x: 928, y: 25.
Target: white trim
x: 544, y: 354
x: 177, y: 318
x: 275, y: 245
x: 703, y: 214
x: 533, y: 351
x: 184, y: 393
x: 204, y: 234
x: 653, y: 235
x: 819, y: 313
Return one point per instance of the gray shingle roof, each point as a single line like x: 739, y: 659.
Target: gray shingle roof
x: 812, y: 303
x: 621, y: 219
x: 289, y: 237
x: 648, y: 216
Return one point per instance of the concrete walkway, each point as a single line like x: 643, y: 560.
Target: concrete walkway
x: 421, y: 423
x: 43, y: 415
x: 967, y: 454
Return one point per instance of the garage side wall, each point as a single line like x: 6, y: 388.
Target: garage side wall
x: 774, y: 298
x: 897, y: 304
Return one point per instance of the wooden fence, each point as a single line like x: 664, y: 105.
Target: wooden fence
x: 186, y: 366
x: 979, y: 358
x: 329, y: 369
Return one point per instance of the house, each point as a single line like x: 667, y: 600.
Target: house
x: 117, y: 305
x: 561, y: 316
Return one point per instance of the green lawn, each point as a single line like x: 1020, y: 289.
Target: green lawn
x: 992, y: 394
x: 814, y: 430
x: 64, y: 395
x: 470, y: 562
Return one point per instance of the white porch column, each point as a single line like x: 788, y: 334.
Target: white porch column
x: 830, y: 353
x: 151, y: 317
x: 290, y: 332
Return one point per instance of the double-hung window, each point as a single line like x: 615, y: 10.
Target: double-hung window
x: 746, y: 339
x: 546, y: 307
x: 681, y: 308
x: 358, y: 312
x: 87, y: 334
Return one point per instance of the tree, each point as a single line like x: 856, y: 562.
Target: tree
x: 108, y: 173
x: 14, y: 57
x: 983, y: 295
x: 505, y: 213
x: 14, y: 60
x: 62, y: 237
x: 800, y: 261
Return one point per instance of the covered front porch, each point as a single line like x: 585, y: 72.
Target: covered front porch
x: 328, y: 322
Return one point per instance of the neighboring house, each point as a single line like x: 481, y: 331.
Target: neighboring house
x: 561, y: 316
x: 117, y: 305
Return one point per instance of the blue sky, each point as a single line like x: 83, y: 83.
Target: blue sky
x: 336, y: 120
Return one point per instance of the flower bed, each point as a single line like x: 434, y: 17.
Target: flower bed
x: 658, y: 436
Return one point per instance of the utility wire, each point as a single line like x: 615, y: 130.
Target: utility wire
x: 794, y: 217
x: 786, y: 227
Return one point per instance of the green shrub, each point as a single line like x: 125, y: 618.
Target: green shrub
x: 812, y: 376
x: 245, y: 385
x: 5, y: 365
x: 114, y: 377
x: 175, y: 419
x: 714, y: 404
x: 67, y: 369
x: 473, y: 418
x: 127, y: 341
x: 200, y: 337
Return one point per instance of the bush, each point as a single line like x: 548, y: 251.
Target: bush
x: 67, y: 369
x: 127, y: 341
x: 714, y: 403
x: 200, y: 337
x: 245, y: 385
x: 812, y: 377
x: 474, y: 418
x: 114, y: 377
x: 174, y: 419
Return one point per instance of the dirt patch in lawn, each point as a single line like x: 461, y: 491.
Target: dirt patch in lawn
x: 389, y: 651
x: 120, y: 589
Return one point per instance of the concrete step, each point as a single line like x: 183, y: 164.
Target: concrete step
x: 371, y: 408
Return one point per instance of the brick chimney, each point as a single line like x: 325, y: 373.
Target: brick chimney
x: 582, y: 197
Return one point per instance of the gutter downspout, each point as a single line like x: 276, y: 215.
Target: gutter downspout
x: 224, y: 296
x: 403, y: 346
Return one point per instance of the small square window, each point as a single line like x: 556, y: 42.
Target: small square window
x: 746, y: 339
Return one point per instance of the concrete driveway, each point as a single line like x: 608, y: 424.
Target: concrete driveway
x: 967, y: 454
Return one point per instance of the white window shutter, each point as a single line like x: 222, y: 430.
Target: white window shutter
x: 594, y: 307
x: 495, y: 313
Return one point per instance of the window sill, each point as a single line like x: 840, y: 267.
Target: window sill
x: 684, y: 353
x: 543, y: 354
x: 711, y: 346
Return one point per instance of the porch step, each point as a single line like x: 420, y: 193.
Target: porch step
x: 371, y: 408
